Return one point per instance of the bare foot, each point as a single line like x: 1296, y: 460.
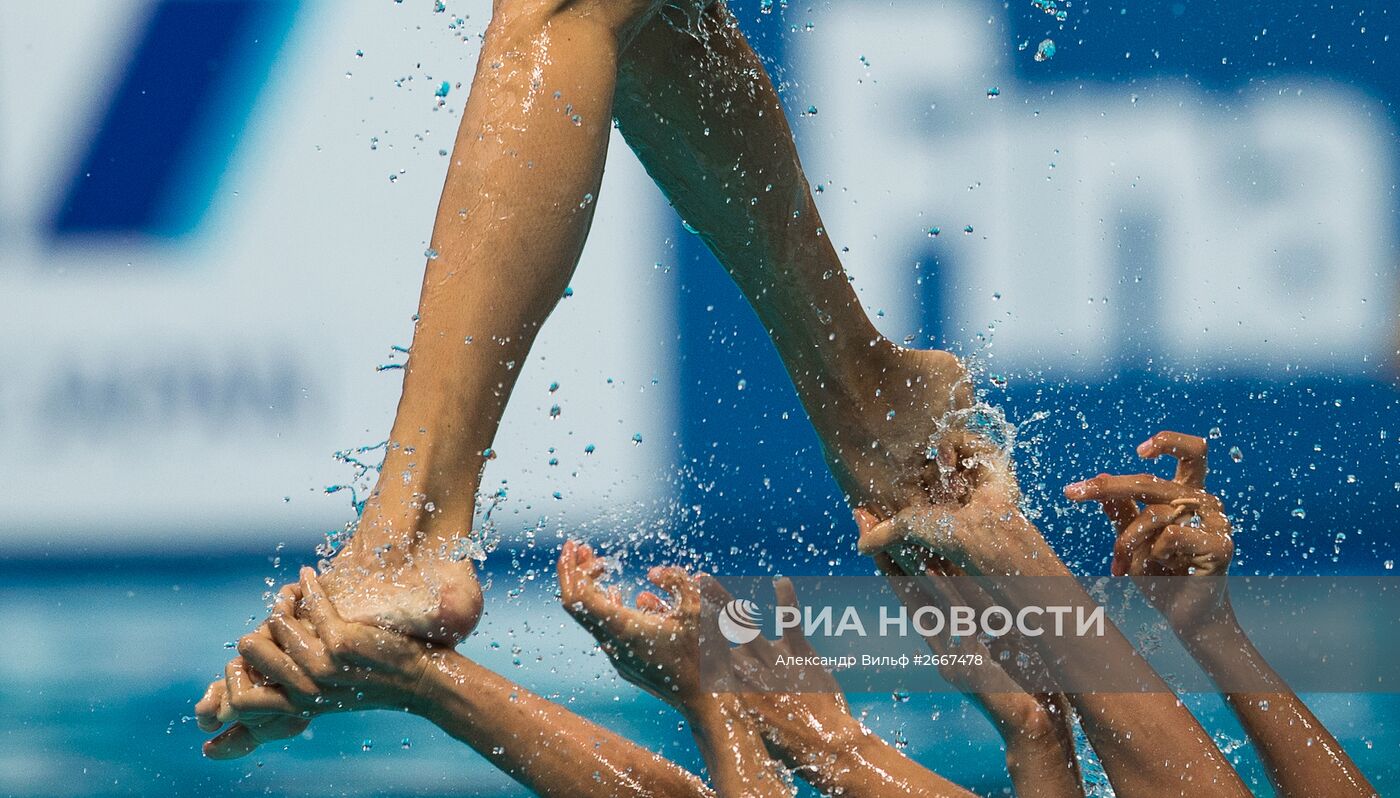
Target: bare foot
x: 888, y: 429
x: 416, y: 584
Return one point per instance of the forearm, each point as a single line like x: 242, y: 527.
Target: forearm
x: 1300, y: 755
x: 1149, y: 743
x: 540, y: 744
x: 733, y: 749
x: 515, y: 210
x: 841, y: 757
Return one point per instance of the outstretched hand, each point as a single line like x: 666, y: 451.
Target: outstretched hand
x: 655, y: 644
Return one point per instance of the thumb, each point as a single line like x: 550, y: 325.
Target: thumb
x: 876, y: 537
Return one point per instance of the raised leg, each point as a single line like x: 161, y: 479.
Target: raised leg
x: 697, y: 106
x: 515, y: 210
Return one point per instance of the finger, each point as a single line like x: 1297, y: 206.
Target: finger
x: 1138, y: 534
x: 320, y: 612
x: 784, y: 592
x: 567, y: 570
x: 1189, y: 451
x: 243, y: 738
x: 293, y: 636
x: 1145, y: 488
x: 236, y: 679
x: 648, y: 601
x: 786, y: 596
x: 234, y: 742
x: 677, y: 582
x: 247, y: 697
x: 207, y: 709
x: 865, y: 519
x: 263, y: 653
x: 1208, y: 509
x: 1181, y: 548
x: 711, y: 591
x: 1120, y: 512
x: 878, y: 537
x: 263, y: 700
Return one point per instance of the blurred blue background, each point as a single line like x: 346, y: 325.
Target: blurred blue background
x: 213, y: 216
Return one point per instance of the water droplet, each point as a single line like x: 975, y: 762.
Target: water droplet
x: 366, y: 744
x: 443, y: 88
x: 1299, y: 512
x: 967, y: 230
x: 405, y: 744
x: 637, y: 438
x: 554, y: 411
x: 993, y: 92
x: 1236, y: 454
x: 1045, y: 51
x: 590, y: 449
x: 1214, y: 433
x: 933, y: 232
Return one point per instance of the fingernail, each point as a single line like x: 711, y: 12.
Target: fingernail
x: 1144, y: 449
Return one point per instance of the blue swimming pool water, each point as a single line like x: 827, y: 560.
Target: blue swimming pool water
x: 101, y: 666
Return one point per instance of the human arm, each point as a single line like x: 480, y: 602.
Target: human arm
x: 1035, y: 728
x: 806, y: 722
x: 655, y: 645
x: 323, y: 663
x: 1182, y: 533
x: 1148, y: 741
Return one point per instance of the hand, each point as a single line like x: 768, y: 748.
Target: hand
x: 290, y: 670
x: 1180, y: 531
x: 249, y: 731
x: 985, y: 533
x: 654, y: 645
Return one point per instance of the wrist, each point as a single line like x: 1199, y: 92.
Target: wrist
x: 428, y: 692
x: 1217, y: 639
x: 706, y: 709
x: 802, y: 736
